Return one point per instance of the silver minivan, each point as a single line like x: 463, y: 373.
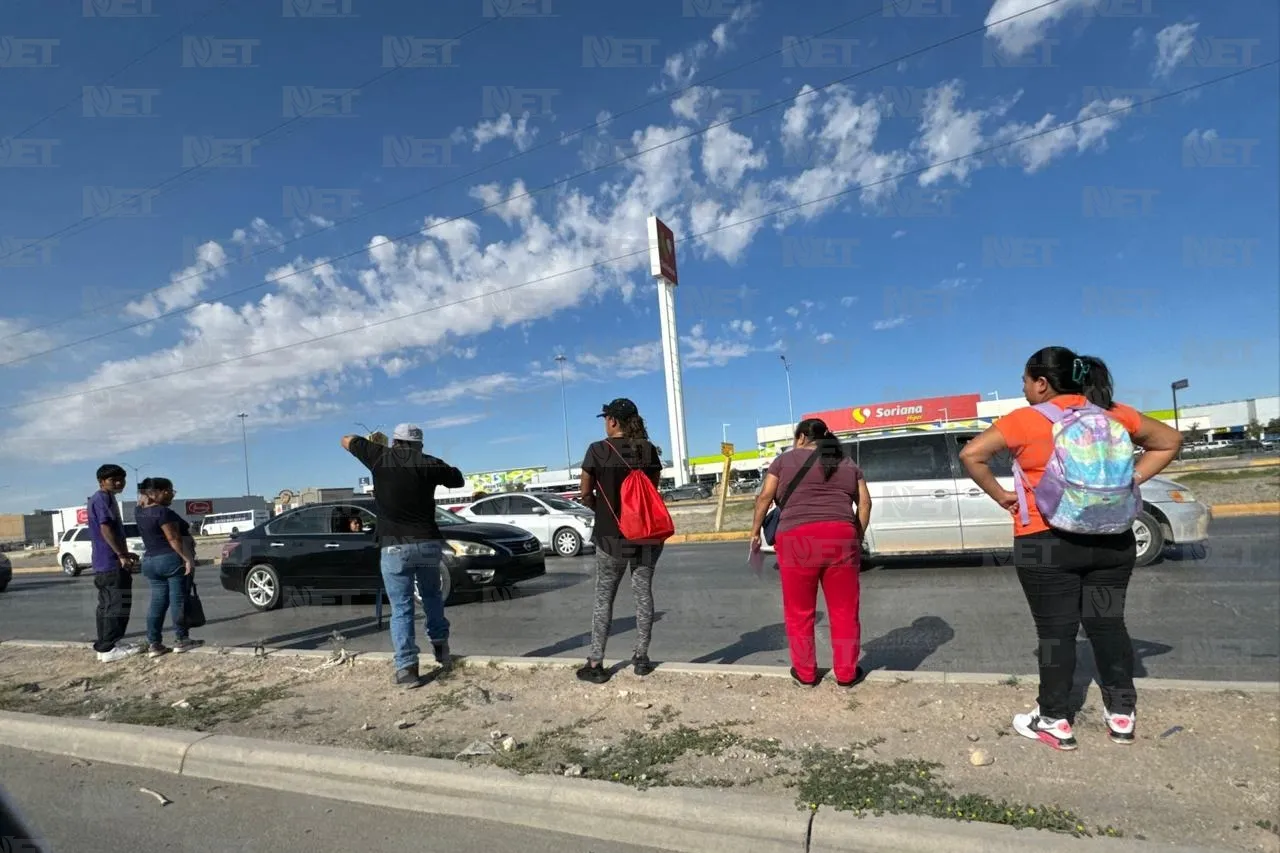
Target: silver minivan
x: 923, y: 502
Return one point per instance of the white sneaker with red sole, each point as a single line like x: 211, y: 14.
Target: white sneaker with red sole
x: 1120, y: 726
x: 1055, y: 733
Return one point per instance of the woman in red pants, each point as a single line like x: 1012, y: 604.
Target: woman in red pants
x: 818, y: 542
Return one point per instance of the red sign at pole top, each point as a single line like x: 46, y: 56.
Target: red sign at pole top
x: 901, y: 413
x: 82, y: 515
x: 662, y: 250
x: 199, y: 507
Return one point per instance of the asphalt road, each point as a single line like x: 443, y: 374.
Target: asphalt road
x: 1214, y: 614
x: 78, y: 805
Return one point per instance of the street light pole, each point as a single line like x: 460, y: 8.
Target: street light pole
x: 791, y: 412
x: 564, y: 405
x: 724, y: 433
x: 995, y: 394
x: 1176, y: 387
x: 244, y: 435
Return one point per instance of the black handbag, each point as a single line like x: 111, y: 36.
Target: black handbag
x: 193, y: 613
x: 769, y: 527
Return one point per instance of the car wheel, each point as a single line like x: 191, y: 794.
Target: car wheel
x: 235, y: 530
x: 446, y: 585
x: 567, y: 542
x: 262, y: 586
x: 1149, y: 536
x: 69, y: 567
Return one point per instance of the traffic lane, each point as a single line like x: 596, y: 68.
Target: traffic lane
x: 81, y: 805
x: 1211, y: 614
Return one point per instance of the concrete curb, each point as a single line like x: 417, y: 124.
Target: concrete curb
x: 1237, y: 510
x: 677, y: 819
x: 993, y: 679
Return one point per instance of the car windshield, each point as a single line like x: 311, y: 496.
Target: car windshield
x: 560, y: 503
x: 444, y: 517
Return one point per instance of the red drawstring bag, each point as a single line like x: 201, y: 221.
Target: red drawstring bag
x: 643, y: 515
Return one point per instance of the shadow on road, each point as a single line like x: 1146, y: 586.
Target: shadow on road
x: 581, y: 641
x: 1087, y: 670
x: 20, y: 586
x: 905, y: 649
x: 770, y: 638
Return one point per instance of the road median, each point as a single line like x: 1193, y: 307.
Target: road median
x: 695, y: 757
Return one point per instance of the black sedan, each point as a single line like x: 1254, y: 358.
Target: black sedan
x: 691, y: 492
x: 329, y: 550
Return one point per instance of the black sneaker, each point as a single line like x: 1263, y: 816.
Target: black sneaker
x: 859, y: 676
x: 642, y: 665
x: 593, y: 672
x: 155, y: 650
x: 408, y: 677
x: 795, y: 676
x: 443, y: 656
x: 185, y: 645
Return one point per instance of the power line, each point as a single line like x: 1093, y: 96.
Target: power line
x: 420, y: 193
x: 509, y: 199
x: 150, y: 191
x: 784, y: 209
x: 74, y: 99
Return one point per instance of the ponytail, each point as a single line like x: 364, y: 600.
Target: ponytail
x: 827, y: 446
x: 1068, y: 373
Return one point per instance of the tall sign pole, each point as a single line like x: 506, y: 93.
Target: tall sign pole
x: 1180, y: 385
x: 662, y: 264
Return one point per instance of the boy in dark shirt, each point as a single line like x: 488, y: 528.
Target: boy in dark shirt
x: 404, y: 488
x: 113, y: 566
x: 607, y: 463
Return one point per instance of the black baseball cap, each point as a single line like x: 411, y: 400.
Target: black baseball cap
x: 619, y: 409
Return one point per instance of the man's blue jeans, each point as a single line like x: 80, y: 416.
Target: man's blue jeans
x: 168, y: 592
x: 402, y: 565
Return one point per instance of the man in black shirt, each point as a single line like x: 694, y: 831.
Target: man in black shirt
x: 607, y: 463
x: 404, y: 489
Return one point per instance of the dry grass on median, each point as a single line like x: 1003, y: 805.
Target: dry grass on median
x: 886, y: 746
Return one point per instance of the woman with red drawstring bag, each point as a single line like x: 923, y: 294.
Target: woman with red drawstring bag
x: 619, y: 481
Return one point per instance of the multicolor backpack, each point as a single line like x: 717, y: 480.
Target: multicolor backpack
x: 1088, y: 484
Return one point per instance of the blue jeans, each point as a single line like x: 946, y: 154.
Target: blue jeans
x: 401, y: 566
x: 168, y: 592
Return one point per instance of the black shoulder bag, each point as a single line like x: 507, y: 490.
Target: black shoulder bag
x: 193, y: 613
x: 769, y: 528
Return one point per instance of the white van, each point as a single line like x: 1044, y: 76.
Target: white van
x: 924, y: 504
x: 75, y: 548
x: 223, y: 523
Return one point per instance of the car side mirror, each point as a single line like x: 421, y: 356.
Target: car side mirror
x: 539, y: 510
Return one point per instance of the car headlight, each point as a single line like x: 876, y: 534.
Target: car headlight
x: 469, y: 549
x: 1181, y: 496
x: 588, y: 521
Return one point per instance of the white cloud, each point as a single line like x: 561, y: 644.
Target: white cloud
x: 505, y: 127
x: 1034, y: 154
x: 319, y: 221
x: 259, y: 233
x: 477, y: 387
x: 847, y: 301
x: 1138, y: 39
x: 510, y: 439
x: 518, y: 210
x: 450, y: 421
x: 793, y: 311
x: 727, y: 155
x: 14, y: 344
x: 699, y: 351
x: 899, y: 234
x: 825, y: 338
x: 746, y: 327
x: 1020, y: 35
x: 948, y: 132
x: 185, y: 286
x: 627, y: 362
x: 723, y: 34
x: 679, y: 69
x: 891, y: 323
x: 1173, y: 46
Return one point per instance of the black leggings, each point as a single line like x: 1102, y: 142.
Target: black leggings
x: 1069, y: 580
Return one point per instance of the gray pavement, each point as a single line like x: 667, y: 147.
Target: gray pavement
x: 1212, y: 614
x: 82, y: 806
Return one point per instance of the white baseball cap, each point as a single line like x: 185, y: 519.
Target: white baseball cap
x: 407, y: 432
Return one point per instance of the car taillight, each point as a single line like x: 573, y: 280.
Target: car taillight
x: 228, y: 548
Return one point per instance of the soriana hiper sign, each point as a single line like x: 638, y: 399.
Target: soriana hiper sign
x: 901, y: 413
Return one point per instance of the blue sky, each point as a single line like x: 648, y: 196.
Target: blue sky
x: 1147, y: 236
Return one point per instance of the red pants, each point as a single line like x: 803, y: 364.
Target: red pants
x: 826, y: 553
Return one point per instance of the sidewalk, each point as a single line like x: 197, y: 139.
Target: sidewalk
x: 901, y: 743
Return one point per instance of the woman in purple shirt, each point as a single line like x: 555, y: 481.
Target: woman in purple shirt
x: 818, y: 542
x: 168, y: 563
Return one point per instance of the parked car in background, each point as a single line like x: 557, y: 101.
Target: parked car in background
x: 562, y: 526
x: 312, y: 550
x: 6, y: 572
x: 690, y: 492
x: 75, y: 550
x: 923, y: 503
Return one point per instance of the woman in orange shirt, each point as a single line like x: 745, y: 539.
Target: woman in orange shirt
x: 1070, y: 579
